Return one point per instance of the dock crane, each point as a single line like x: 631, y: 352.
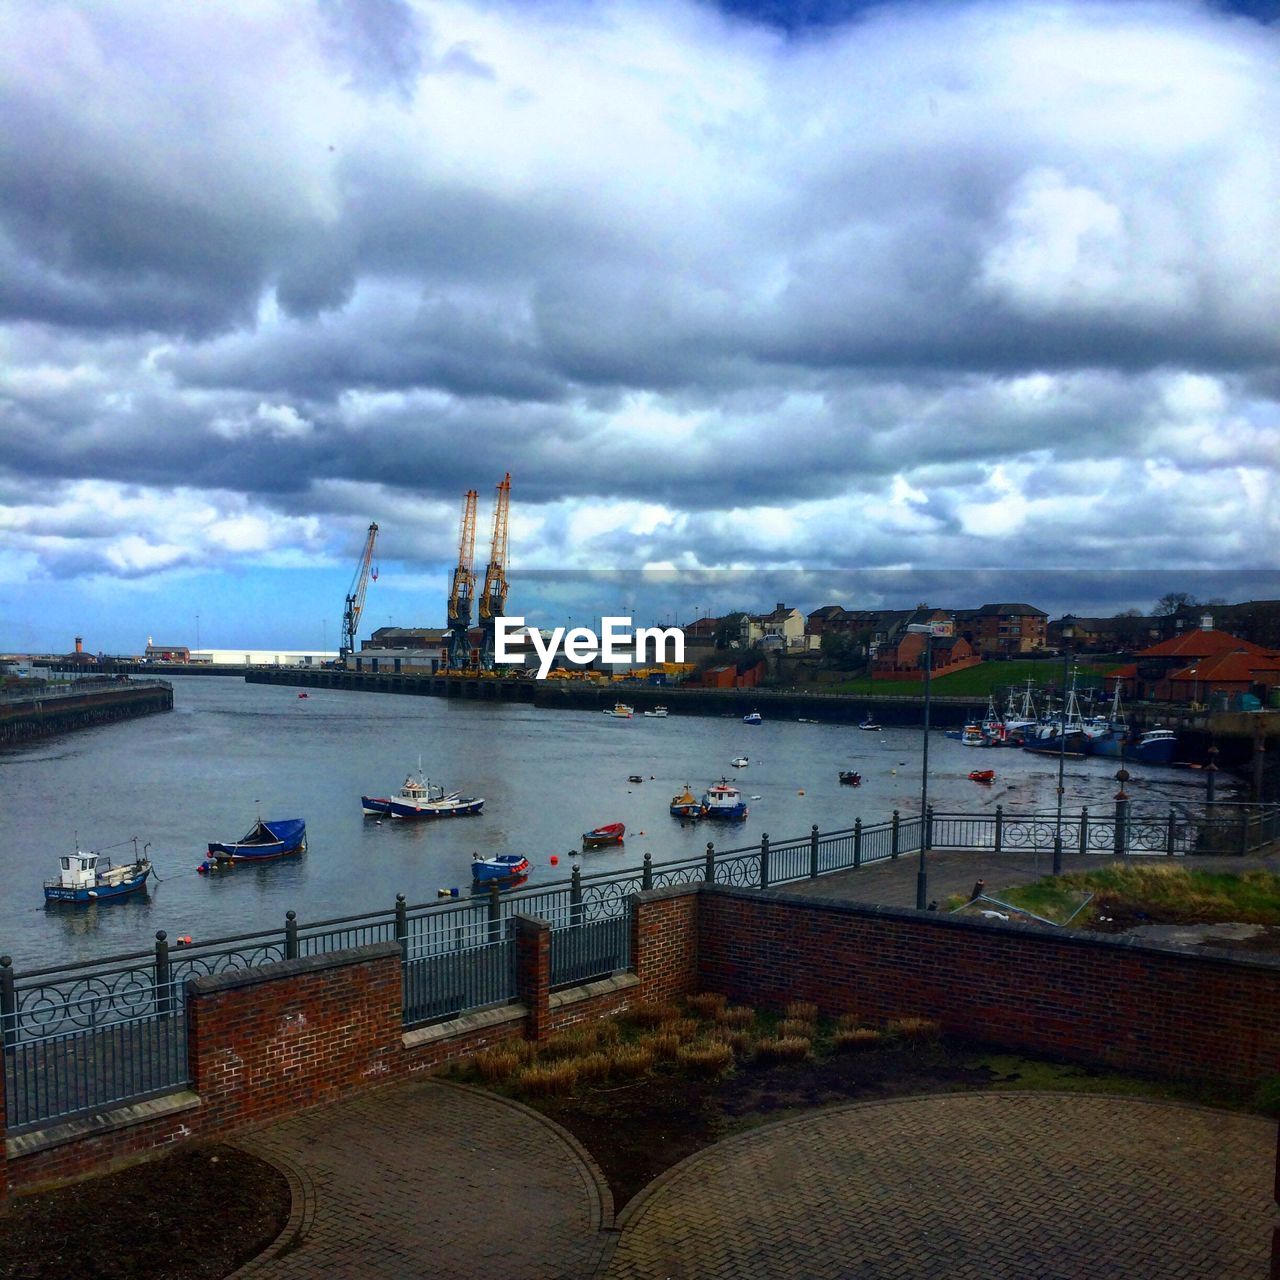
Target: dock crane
x: 493, y: 599
x: 355, y: 598
x: 464, y: 582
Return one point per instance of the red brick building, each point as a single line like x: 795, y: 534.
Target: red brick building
x: 996, y: 629
x: 1192, y: 666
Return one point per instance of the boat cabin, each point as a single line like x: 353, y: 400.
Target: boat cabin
x: 78, y: 870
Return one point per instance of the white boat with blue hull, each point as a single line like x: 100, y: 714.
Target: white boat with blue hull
x: 88, y: 877
x: 418, y: 798
x: 724, y: 801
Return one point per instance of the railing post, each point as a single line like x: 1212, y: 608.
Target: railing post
x: 764, y: 861
x: 495, y: 914
x: 1084, y: 830
x: 857, y: 843
x: 999, y: 827
x: 402, y: 927
x: 926, y: 831
x: 1120, y: 838
x: 8, y: 1002
x: 646, y: 872
x: 709, y: 871
x: 575, y: 895
x: 893, y: 841
x: 813, y: 852
x: 290, y: 935
x: 1244, y: 830
x: 1170, y: 834
x: 163, y: 989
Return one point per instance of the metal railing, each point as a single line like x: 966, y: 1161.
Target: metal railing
x: 459, y: 955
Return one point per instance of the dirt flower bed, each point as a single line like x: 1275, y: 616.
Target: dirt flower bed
x: 196, y: 1215
x: 646, y: 1090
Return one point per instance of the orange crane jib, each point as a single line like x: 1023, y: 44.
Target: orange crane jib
x: 493, y: 600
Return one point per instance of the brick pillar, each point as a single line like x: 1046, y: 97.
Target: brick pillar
x: 533, y: 973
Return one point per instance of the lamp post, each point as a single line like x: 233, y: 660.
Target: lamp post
x: 197, y: 633
x: 928, y: 630
x: 1062, y: 764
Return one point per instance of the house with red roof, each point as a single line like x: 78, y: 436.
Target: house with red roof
x: 1192, y: 665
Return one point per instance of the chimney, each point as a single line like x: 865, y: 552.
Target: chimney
x: 1206, y: 622
x: 79, y: 644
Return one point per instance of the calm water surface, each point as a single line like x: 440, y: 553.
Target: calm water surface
x: 230, y: 750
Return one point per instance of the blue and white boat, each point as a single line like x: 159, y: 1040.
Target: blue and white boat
x: 265, y: 841
x: 753, y: 718
x: 723, y: 800
x: 1155, y: 746
x: 418, y: 798
x: 504, y: 866
x: 88, y: 877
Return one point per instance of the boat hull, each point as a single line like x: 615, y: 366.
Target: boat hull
x: 95, y: 893
x: 496, y: 870
x: 290, y: 838
x: 390, y: 807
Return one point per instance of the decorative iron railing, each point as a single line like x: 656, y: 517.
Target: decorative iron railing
x: 458, y: 955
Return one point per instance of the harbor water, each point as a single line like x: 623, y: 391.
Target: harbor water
x: 231, y: 751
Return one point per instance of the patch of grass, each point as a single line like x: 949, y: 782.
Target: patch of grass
x: 593, y: 1067
x: 627, y: 1062
x: 737, y: 1016
x: 854, y: 1039
x: 707, y: 1060
x: 651, y: 1013
x: 664, y: 1044
x: 574, y: 1042
x: 795, y: 1027
x: 495, y: 1065
x: 686, y: 1028
x: 802, y: 1011
x: 543, y: 1079
x: 783, y: 1049
x: 848, y: 1022
x: 977, y: 682
x: 706, y: 1004
x: 915, y: 1030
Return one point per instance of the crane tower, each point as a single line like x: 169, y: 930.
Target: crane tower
x: 493, y: 598
x: 464, y: 582
x: 355, y: 598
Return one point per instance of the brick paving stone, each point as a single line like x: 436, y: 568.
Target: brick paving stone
x: 427, y: 1179
x: 1016, y: 1186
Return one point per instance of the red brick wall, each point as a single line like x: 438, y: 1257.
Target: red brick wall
x: 1143, y: 1009
x: 664, y: 943
x: 266, y: 1042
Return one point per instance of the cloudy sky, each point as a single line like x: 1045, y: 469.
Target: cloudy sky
x: 799, y: 287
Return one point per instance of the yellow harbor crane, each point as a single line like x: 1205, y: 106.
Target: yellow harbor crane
x: 464, y: 583
x: 493, y: 599
x: 355, y: 598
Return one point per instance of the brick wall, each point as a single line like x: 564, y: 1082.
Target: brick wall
x: 664, y: 943
x: 1159, y: 1011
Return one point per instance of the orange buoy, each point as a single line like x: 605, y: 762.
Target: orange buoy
x: 555, y: 859
x: 799, y: 793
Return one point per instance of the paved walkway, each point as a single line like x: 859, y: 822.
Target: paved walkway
x: 429, y: 1179
x: 988, y: 1186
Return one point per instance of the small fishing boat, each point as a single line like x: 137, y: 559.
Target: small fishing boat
x: 88, y: 877
x: 687, y: 805
x: 417, y: 798
x: 869, y: 724
x: 658, y: 713
x: 635, y: 777
x: 620, y: 711
x: 850, y: 778
x: 723, y: 800
x: 753, y: 717
x: 505, y: 866
x: 983, y: 775
x: 972, y: 736
x: 266, y: 840
x: 599, y: 837
x: 739, y: 762
x: 304, y: 695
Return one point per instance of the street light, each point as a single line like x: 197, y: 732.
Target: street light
x: 928, y: 630
x: 1062, y: 762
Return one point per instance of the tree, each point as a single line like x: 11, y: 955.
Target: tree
x: 1172, y: 601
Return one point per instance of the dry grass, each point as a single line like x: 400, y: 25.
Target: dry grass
x: 852, y: 1039
x: 743, y: 1043
x: 594, y: 1067
x: 783, y: 1049
x: 706, y: 1060
x: 497, y: 1064
x: 706, y: 1004
x: 543, y: 1079
x: 794, y: 1027
x: 917, y: 1029
x: 651, y: 1013
x: 802, y: 1011
x: 737, y: 1015
x: 848, y: 1022
x: 626, y: 1062
x: 686, y: 1028
x: 665, y: 1045
x: 573, y: 1042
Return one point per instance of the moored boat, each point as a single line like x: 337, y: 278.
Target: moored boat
x: 687, y: 805
x: 504, y: 866
x: 620, y: 711
x: 982, y: 775
x: 739, y: 762
x: 265, y: 841
x: 869, y: 724
x: 723, y: 800
x: 88, y: 877
x: 658, y: 713
x: 850, y: 778
x: 753, y: 717
x: 417, y: 798
x: 1155, y: 746
x: 599, y: 837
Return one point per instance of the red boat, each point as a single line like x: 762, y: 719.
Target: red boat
x: 599, y: 837
x: 983, y: 775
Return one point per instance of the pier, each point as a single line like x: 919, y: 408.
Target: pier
x: 81, y: 705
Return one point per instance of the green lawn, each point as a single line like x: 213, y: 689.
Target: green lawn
x: 980, y: 681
